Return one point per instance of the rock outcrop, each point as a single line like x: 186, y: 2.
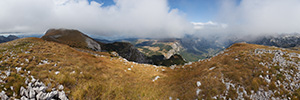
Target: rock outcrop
x: 3, y: 96
x: 37, y: 90
x: 176, y: 47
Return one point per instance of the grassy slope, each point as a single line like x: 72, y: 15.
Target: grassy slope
x: 238, y: 65
x: 95, y: 77
x: 105, y: 77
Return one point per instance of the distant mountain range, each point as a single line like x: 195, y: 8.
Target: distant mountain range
x: 279, y: 40
x: 193, y: 48
x: 8, y: 38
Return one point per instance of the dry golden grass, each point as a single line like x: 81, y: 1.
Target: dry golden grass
x: 95, y: 77
x: 87, y: 76
x: 244, y: 71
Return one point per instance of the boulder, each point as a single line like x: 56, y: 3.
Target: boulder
x: 41, y: 96
x: 52, y: 94
x: 3, y: 96
x: 62, y: 96
x: 32, y: 94
x: 23, y: 91
x: 24, y: 98
x: 60, y: 87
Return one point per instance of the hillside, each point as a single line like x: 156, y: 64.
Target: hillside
x: 84, y: 74
x: 77, y: 39
x: 241, y: 71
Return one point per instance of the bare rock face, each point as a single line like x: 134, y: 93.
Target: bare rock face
x: 92, y: 44
x: 176, y: 47
x: 73, y: 38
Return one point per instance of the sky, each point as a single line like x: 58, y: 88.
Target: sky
x: 194, y: 10
x: 152, y: 18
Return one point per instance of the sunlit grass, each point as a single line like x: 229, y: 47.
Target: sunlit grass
x: 102, y: 76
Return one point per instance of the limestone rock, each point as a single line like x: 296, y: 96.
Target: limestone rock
x: 3, y: 96
x: 36, y: 90
x: 41, y: 96
x: 23, y: 91
x: 60, y: 87
x: 32, y: 94
x: 24, y: 98
x: 62, y: 95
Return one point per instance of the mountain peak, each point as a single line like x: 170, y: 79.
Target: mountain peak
x: 71, y: 37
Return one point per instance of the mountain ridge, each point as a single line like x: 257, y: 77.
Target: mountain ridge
x: 8, y: 38
x: 75, y: 38
x: 242, y: 71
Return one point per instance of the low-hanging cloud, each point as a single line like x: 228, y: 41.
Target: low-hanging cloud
x: 149, y: 18
x: 256, y: 17
x: 131, y: 18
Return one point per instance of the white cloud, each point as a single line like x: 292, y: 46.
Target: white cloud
x: 148, y: 18
x: 254, y: 17
x: 133, y: 18
x: 208, y: 25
